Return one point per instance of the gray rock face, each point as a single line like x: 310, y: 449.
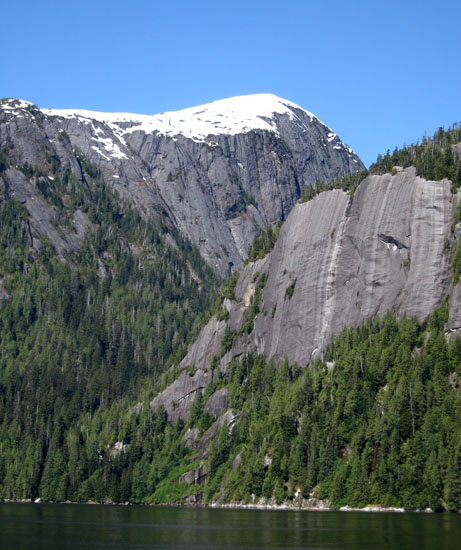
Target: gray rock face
x: 217, y: 403
x: 179, y: 396
x: 353, y: 258
x: 26, y: 141
x: 218, y: 189
x: 340, y: 260
x: 44, y: 220
x: 194, y: 477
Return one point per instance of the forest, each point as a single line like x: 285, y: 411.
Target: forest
x: 435, y: 158
x: 87, y: 342
x: 83, y: 339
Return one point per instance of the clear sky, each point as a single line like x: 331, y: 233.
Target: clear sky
x: 380, y: 74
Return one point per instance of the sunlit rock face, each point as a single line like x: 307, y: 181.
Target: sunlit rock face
x: 351, y: 258
x: 219, y: 173
x: 341, y: 259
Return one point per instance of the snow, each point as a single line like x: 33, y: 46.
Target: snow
x: 231, y: 116
x: 111, y: 148
x: 100, y: 152
x: 13, y: 104
x: 15, y: 107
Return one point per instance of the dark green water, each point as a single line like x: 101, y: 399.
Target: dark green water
x: 52, y: 527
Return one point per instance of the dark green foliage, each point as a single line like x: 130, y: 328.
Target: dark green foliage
x: 349, y: 183
x: 253, y: 310
x: 227, y: 341
x: 457, y: 264
x: 434, y: 158
x: 14, y: 241
x: 227, y: 291
x: 379, y: 424
x: 290, y: 290
x: 228, y: 287
x: 84, y: 340
x: 3, y: 159
x: 264, y: 243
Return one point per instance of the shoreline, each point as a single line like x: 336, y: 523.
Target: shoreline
x: 289, y: 507
x: 309, y: 505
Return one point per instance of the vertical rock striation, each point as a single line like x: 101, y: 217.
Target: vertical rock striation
x: 340, y: 260
x: 220, y: 173
x: 351, y: 258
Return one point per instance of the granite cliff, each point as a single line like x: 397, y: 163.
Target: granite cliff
x: 218, y: 173
x: 339, y: 259
x: 91, y: 324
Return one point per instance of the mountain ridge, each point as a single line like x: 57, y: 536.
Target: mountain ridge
x: 339, y: 260
x: 218, y: 193
x: 247, y: 113
x: 100, y: 400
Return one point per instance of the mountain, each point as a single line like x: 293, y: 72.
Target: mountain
x: 325, y: 372
x: 330, y: 371
x: 386, y: 245
x: 219, y: 173
x: 340, y: 259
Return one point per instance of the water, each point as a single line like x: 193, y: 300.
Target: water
x: 69, y: 526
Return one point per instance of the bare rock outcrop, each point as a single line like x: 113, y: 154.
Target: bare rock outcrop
x: 341, y: 259
x: 217, y: 403
x: 179, y: 396
x: 219, y: 173
x: 351, y: 258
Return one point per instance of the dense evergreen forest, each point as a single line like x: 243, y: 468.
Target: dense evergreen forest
x: 376, y: 422
x: 85, y: 338
x: 87, y: 342
x: 435, y: 158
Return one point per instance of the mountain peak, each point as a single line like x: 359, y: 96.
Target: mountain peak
x: 235, y: 115
x: 12, y: 103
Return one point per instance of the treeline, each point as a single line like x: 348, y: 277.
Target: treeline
x: 376, y: 422
x: 82, y: 340
x: 435, y: 158
x: 348, y: 183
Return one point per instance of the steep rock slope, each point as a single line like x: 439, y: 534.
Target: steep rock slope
x: 353, y: 258
x: 339, y: 260
x: 220, y: 172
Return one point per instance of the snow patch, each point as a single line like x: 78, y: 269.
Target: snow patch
x: 100, y: 152
x: 111, y: 148
x: 231, y: 116
x: 13, y: 104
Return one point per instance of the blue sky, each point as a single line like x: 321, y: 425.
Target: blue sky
x: 380, y: 74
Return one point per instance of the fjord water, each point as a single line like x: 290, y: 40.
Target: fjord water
x: 54, y: 526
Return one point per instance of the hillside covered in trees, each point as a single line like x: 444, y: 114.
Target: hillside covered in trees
x: 82, y: 338
x: 89, y: 339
